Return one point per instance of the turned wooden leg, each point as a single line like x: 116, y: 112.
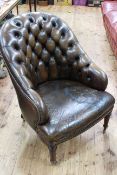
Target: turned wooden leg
x: 106, y: 120
x: 52, y: 150
x: 22, y: 118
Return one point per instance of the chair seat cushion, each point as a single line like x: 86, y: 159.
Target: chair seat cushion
x: 71, y: 107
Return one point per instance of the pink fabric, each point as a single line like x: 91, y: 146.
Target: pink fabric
x: 109, y: 11
x: 109, y: 6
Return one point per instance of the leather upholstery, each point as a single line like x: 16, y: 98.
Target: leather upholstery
x: 109, y: 11
x: 71, y: 106
x: 43, y: 46
x: 60, y: 90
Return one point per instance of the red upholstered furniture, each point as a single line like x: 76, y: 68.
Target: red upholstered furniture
x: 109, y: 11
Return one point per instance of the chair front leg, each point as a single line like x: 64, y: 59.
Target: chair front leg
x: 106, y: 120
x: 52, y: 149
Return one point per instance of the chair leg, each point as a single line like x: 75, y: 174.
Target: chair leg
x: 22, y: 118
x: 52, y: 150
x: 106, y: 120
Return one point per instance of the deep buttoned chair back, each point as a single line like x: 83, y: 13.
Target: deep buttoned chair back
x: 39, y: 47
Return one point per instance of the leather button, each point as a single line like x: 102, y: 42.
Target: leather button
x: 18, y: 23
x: 17, y: 34
x: 31, y: 19
x: 16, y: 46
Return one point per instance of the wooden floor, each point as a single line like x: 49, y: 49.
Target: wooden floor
x: 92, y: 153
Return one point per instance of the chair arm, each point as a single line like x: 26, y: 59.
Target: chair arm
x: 94, y: 77
x: 86, y: 71
x: 31, y: 104
x: 40, y: 106
x: 27, y: 86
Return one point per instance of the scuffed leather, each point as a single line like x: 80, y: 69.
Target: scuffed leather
x: 71, y: 106
x: 42, y: 47
x: 32, y: 106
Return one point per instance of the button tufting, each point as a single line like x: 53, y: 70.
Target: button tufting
x: 87, y: 65
x: 18, y: 23
x: 40, y: 25
x: 29, y: 30
x: 16, y: 46
x: 45, y: 18
x: 71, y: 44
x: 47, y: 46
x: 17, y: 34
x: 77, y: 57
x: 31, y: 19
x: 63, y: 32
x: 88, y: 78
x: 54, y: 23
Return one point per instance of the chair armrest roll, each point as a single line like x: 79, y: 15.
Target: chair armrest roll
x: 94, y: 77
x: 40, y: 106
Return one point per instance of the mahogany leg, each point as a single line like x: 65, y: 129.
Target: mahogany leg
x: 106, y: 120
x: 22, y: 118
x: 52, y: 150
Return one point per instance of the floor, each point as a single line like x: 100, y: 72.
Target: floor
x: 92, y: 153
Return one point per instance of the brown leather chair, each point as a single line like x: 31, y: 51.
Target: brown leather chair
x: 61, y: 92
